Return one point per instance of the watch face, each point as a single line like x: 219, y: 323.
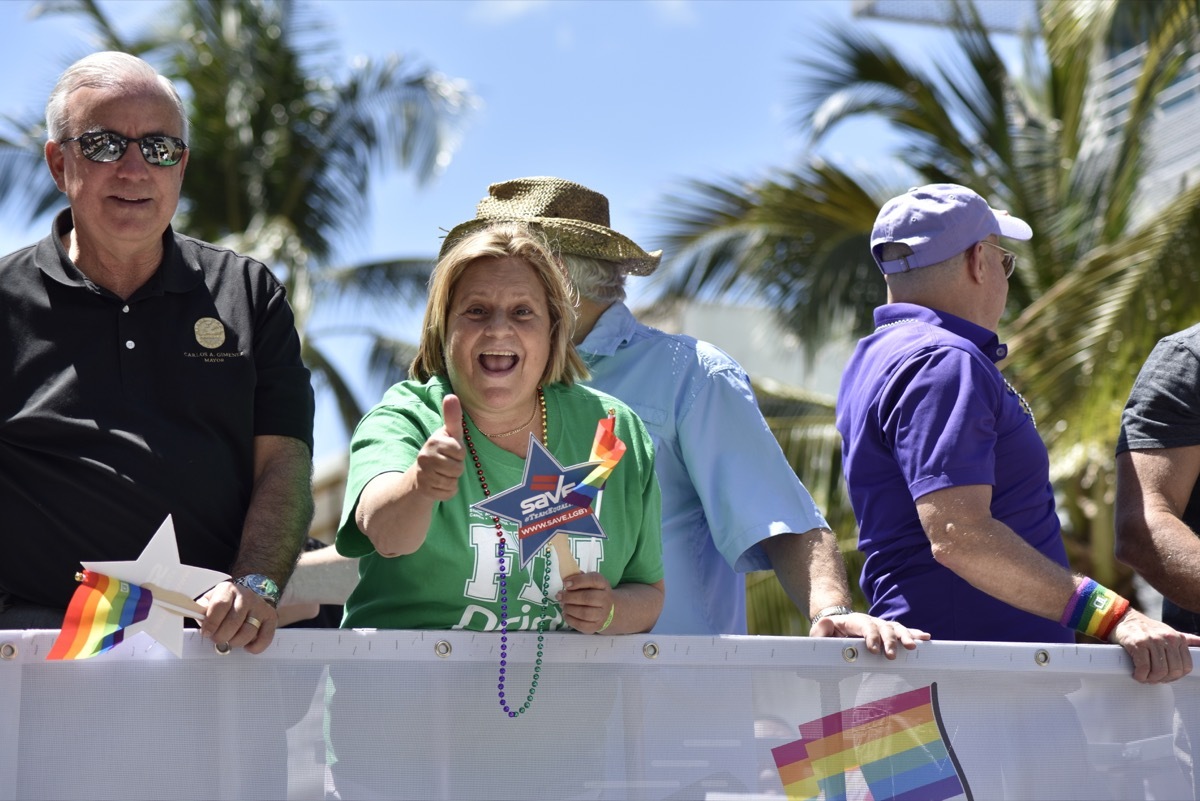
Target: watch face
x: 262, y: 585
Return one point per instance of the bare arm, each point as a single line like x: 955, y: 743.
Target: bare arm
x: 395, y: 509
x: 991, y: 556
x: 322, y: 576
x: 1153, y: 488
x: 280, y: 511
x: 811, y: 570
x: 988, y: 554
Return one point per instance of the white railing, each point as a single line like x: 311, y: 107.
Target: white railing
x: 416, y: 715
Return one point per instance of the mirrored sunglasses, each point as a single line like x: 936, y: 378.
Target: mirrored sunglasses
x: 1008, y: 260
x: 106, y: 147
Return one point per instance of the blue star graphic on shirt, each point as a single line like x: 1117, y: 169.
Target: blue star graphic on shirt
x: 539, y: 505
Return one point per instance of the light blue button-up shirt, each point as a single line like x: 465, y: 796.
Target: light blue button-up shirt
x: 726, y: 485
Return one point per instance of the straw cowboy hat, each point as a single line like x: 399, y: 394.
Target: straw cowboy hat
x: 573, y: 217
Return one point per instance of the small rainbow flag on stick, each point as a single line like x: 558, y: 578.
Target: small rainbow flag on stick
x: 607, y: 449
x: 898, y: 744
x: 100, y: 611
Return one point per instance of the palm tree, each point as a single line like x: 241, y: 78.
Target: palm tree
x: 282, y: 154
x: 803, y: 422
x: 1098, y: 285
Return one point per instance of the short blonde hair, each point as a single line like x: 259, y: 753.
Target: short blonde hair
x: 498, y: 241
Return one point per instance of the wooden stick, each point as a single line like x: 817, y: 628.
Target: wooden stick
x: 567, y: 565
x: 176, y: 602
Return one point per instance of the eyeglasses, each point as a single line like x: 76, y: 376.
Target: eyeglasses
x: 106, y: 146
x: 1008, y: 260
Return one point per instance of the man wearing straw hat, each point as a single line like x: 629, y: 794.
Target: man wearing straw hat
x: 731, y: 501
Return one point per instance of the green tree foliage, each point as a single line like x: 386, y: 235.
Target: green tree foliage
x: 1097, y: 286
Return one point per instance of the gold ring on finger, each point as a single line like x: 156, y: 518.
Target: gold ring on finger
x: 253, y: 621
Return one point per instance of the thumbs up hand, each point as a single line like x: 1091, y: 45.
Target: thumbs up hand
x: 443, y: 456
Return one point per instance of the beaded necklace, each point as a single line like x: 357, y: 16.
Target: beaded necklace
x: 513, y: 712
x: 1020, y: 398
x: 1024, y: 403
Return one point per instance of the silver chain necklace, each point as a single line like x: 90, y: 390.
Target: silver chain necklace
x: 1024, y: 403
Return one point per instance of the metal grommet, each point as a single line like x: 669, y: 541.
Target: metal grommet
x: 442, y: 648
x: 650, y: 650
x: 850, y: 653
x: 222, y: 648
x: 8, y: 650
x: 1041, y: 657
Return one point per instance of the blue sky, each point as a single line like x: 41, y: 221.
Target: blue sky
x: 628, y: 97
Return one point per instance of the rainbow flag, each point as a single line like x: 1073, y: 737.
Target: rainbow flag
x: 607, y: 449
x: 99, y: 612
x: 898, y: 744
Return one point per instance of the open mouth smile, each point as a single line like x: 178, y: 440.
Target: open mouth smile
x: 498, y: 361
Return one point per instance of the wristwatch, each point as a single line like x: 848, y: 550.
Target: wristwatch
x: 830, y: 611
x: 260, y: 585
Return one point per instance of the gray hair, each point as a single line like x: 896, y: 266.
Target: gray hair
x: 105, y: 70
x: 595, y: 279
x: 922, y: 279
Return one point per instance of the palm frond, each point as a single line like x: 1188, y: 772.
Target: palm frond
x: 23, y: 171
x: 383, y: 285
x: 853, y: 74
x: 1079, y: 346
x: 281, y: 136
x: 706, y: 231
x: 797, y: 241
x: 105, y: 34
x: 326, y: 375
x: 388, y: 360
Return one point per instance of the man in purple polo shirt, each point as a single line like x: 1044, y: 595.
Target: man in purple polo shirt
x: 947, y: 473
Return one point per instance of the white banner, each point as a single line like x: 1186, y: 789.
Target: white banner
x: 410, y: 714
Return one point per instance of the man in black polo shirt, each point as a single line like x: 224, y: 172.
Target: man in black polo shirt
x: 1158, y: 467
x: 145, y: 374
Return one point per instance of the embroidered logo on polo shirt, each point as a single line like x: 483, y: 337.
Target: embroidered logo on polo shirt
x: 209, y: 332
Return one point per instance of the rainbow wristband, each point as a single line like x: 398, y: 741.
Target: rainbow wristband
x: 1094, y: 610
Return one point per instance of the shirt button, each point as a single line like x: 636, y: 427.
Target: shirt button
x: 129, y: 344
x: 125, y: 309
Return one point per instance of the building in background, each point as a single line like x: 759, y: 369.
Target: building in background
x: 751, y: 336
x: 1172, y: 149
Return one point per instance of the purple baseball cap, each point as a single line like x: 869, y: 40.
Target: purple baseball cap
x: 936, y: 222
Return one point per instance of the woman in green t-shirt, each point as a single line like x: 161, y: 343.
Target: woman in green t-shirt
x: 494, y: 377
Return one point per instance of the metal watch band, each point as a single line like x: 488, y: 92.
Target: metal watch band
x: 829, y: 611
